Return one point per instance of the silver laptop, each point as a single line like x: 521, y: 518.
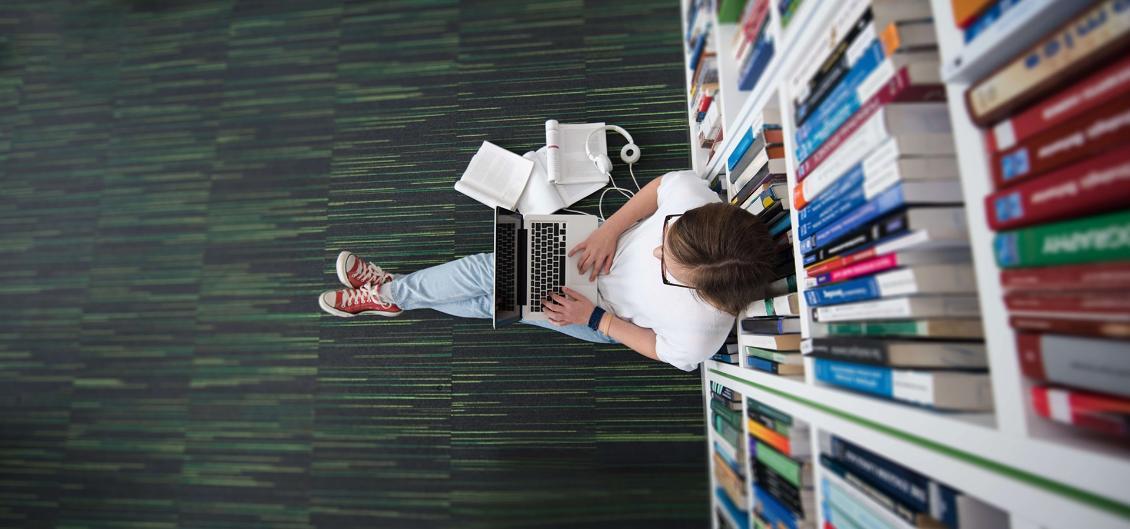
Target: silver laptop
x: 531, y: 260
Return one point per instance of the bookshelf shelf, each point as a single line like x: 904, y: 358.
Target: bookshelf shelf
x: 1042, y: 473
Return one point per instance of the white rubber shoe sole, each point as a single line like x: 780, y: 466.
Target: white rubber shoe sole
x: 342, y: 270
x: 329, y: 308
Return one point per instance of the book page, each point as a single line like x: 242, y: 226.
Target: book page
x: 542, y: 197
x: 495, y: 176
x: 576, y: 167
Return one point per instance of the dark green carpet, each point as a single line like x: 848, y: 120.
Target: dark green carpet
x: 176, y: 178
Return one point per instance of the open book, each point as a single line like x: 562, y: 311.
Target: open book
x: 575, y: 167
x: 495, y: 176
x: 542, y: 197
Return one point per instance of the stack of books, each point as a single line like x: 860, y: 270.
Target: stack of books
x: 1058, y: 140
x: 703, y: 62
x: 728, y: 353
x: 782, y: 469
x: 974, y: 17
x: 729, y: 456
x: 770, y: 328
x: 863, y: 489
x: 880, y: 219
x: 753, y: 43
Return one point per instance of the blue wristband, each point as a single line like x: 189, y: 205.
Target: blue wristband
x: 594, y: 319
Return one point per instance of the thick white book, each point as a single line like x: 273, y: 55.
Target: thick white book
x: 495, y: 176
x: 785, y: 305
x: 773, y: 342
x: 944, y: 390
x: 541, y: 197
x: 917, y: 307
x: 916, y: 280
x: 575, y: 167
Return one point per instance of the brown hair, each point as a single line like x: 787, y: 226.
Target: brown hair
x: 728, y: 252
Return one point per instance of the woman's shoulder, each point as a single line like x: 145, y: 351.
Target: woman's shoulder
x: 686, y: 189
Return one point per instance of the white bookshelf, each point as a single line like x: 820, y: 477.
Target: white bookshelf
x: 1041, y: 473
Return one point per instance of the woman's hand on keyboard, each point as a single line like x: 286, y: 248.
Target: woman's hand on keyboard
x: 571, y: 307
x: 596, y: 252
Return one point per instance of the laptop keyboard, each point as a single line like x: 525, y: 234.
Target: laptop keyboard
x: 547, y: 261
x: 506, y: 297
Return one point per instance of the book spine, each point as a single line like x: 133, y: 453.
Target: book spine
x: 883, y: 203
x: 1087, y: 240
x: 1093, y: 186
x: 771, y: 412
x: 775, y: 512
x: 781, y: 464
x: 835, y: 65
x: 721, y: 410
x: 757, y: 63
x: 1091, y: 133
x: 823, y: 87
x: 767, y: 436
x: 858, y: 146
x: 906, y: 486
x: 866, y: 351
x: 966, y: 11
x: 1099, y: 88
x: 1075, y: 47
x: 763, y: 326
x: 867, y: 379
x: 1088, y: 410
x: 1092, y: 302
x: 789, y: 496
x: 840, y: 499
x: 855, y: 290
x: 728, y: 433
x: 740, y: 149
x: 866, y: 489
x: 751, y: 185
x: 839, y: 104
x: 1079, y: 277
x: 776, y: 230
x: 1087, y: 363
x: 865, y: 267
x: 828, y: 47
x: 899, y: 88
x: 844, y: 195
x: 761, y: 364
x: 857, y: 245
x: 1094, y: 328
x: 752, y: 155
x: 765, y: 354
x: 986, y: 20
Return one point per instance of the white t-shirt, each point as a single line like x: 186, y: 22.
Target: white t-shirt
x: 687, y: 329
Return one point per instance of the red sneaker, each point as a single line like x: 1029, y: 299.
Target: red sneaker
x: 355, y: 272
x: 352, y: 302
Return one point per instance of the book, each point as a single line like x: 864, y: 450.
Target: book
x: 755, y: 65
x: 773, y: 342
x: 915, y: 307
x: 727, y: 433
x: 753, y: 142
x: 1095, y: 328
x: 739, y: 515
x: 898, y: 89
x: 779, y: 417
x: 917, y: 228
x: 541, y: 197
x: 721, y: 409
x: 764, y: 175
x: 899, y: 353
x: 966, y: 11
x: 903, y: 130
x: 1083, y: 136
x: 730, y: 10
x: 775, y: 513
x: 1098, y: 88
x: 1093, y: 411
x: 849, y: 503
x: 796, y: 444
x: 866, y: 79
x: 495, y: 176
x: 1083, y: 305
x: 736, y: 460
x: 769, y: 366
x: 926, y: 328
x: 916, y: 491
x: 725, y: 358
x: 987, y: 19
x: 865, y: 266
x: 730, y: 482
x: 826, y: 48
x: 797, y: 501
x: 781, y: 286
x: 780, y: 226
x: 777, y: 357
x: 923, y: 279
x: 1093, y: 364
x: 1077, y: 46
x: 878, y: 173
x: 898, y: 196
x: 724, y: 392
x: 779, y: 306
x: 771, y: 325
x: 796, y: 472
x: 746, y: 142
x: 1095, y: 276
x: 1087, y: 240
x: 1094, y: 185
x: 879, y: 497
x: 817, y: 84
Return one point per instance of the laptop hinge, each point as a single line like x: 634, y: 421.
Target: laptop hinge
x: 523, y: 260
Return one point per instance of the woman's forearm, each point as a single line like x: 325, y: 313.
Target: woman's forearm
x: 637, y: 338
x: 640, y: 206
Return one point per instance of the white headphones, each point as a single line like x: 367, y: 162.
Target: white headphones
x: 630, y: 153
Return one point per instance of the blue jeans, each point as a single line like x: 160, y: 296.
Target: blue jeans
x: 465, y: 288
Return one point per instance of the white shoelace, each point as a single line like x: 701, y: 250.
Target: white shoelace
x: 370, y: 272
x: 368, y: 292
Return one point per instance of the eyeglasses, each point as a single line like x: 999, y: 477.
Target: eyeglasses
x: 668, y: 279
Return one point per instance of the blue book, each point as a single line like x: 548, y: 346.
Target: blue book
x: 692, y: 17
x: 772, y: 510
x: 988, y: 18
x: 699, y: 46
x: 780, y: 226
x: 849, y: 507
x: 725, y: 456
x: 882, y: 204
x: 740, y: 515
x: 740, y: 149
x: 875, y: 380
x: 917, y: 492
x: 840, y: 104
x: 844, y: 195
x: 850, y: 291
x: 757, y: 62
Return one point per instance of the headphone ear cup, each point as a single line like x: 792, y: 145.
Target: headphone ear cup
x: 603, y: 164
x: 630, y: 153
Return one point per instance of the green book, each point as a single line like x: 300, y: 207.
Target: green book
x: 772, y: 413
x: 789, y: 357
x: 781, y: 286
x: 787, y: 16
x: 728, y: 432
x: 800, y: 475
x: 1086, y: 240
x: 730, y: 11
x: 721, y: 410
x: 937, y: 328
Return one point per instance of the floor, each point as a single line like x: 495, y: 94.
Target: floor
x: 177, y: 177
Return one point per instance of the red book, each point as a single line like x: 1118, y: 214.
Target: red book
x: 1089, y: 305
x: 1094, y: 411
x: 1091, y: 186
x: 705, y: 104
x: 1096, y: 89
x: 1095, y: 328
x: 1095, y: 276
x: 1097, y: 130
x: 1081, y: 362
x: 752, y: 26
x: 897, y: 89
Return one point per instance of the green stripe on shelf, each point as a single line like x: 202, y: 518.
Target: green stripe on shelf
x: 1079, y: 495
